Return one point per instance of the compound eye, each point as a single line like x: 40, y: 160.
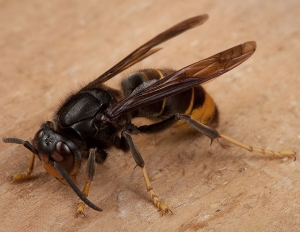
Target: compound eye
x: 61, y: 150
x: 38, y: 135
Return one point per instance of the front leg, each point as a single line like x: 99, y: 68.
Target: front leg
x: 89, y: 176
x: 26, y: 175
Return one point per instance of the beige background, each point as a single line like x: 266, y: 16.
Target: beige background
x: 50, y: 48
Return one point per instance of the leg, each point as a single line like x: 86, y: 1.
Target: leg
x: 162, y: 125
x: 209, y: 132
x: 213, y: 134
x: 89, y: 175
x: 159, y: 126
x: 284, y: 153
x: 26, y: 175
x: 140, y: 162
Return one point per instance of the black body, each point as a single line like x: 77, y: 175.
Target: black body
x: 97, y: 118
x: 80, y: 117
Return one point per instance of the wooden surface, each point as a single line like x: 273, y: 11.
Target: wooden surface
x: 50, y: 48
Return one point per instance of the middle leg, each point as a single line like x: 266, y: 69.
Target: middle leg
x: 140, y: 162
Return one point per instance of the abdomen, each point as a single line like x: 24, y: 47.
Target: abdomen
x: 195, y: 102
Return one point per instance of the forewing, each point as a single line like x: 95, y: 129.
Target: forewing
x: 148, y: 49
x: 184, y: 79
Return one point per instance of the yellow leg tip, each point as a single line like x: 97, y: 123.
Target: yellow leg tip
x: 17, y: 177
x: 164, y: 208
x: 80, y: 208
x: 161, y: 206
x: 25, y: 175
x: 284, y: 153
x: 288, y: 153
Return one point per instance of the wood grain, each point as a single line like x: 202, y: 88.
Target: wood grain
x: 51, y: 48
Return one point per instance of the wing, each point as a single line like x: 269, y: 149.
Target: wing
x: 148, y: 49
x: 184, y: 79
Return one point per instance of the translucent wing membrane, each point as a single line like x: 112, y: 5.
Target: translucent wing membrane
x: 184, y: 79
x: 148, y: 49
